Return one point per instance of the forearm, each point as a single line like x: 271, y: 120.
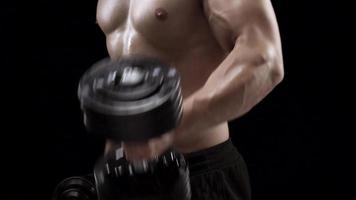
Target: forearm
x: 242, y: 80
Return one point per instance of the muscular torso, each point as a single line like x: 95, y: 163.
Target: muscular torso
x: 174, y: 31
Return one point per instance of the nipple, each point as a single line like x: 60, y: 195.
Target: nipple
x: 161, y: 14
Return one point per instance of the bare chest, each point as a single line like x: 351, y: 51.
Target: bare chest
x: 153, y: 19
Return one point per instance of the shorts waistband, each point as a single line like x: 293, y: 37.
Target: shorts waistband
x: 214, y: 157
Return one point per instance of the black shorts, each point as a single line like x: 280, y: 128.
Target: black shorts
x: 218, y: 173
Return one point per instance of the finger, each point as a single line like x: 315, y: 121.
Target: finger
x: 110, y: 145
x: 136, y: 151
x: 159, y: 145
x: 149, y: 150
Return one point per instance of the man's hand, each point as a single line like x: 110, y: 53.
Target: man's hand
x: 148, y: 150
x: 142, y: 150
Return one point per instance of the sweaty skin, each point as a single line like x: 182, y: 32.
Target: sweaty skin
x: 228, y: 54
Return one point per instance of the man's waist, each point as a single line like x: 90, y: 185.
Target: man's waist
x: 212, y: 158
x: 200, y: 140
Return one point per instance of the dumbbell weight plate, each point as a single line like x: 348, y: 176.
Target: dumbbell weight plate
x: 164, y: 178
x: 130, y: 99
x: 75, y: 188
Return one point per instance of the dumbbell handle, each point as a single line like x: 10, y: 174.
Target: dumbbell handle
x: 118, y: 163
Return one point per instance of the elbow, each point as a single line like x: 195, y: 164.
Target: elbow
x: 276, y: 72
x: 275, y: 67
x: 269, y: 61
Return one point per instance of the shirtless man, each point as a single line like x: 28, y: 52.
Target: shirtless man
x: 229, y: 56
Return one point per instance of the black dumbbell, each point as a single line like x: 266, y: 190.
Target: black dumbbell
x: 134, y: 99
x: 76, y: 188
x: 130, y: 99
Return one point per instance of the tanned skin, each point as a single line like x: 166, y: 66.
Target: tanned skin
x: 228, y: 54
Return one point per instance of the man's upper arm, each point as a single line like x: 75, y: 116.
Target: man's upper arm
x: 253, y: 19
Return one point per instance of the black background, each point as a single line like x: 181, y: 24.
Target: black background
x: 294, y: 141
